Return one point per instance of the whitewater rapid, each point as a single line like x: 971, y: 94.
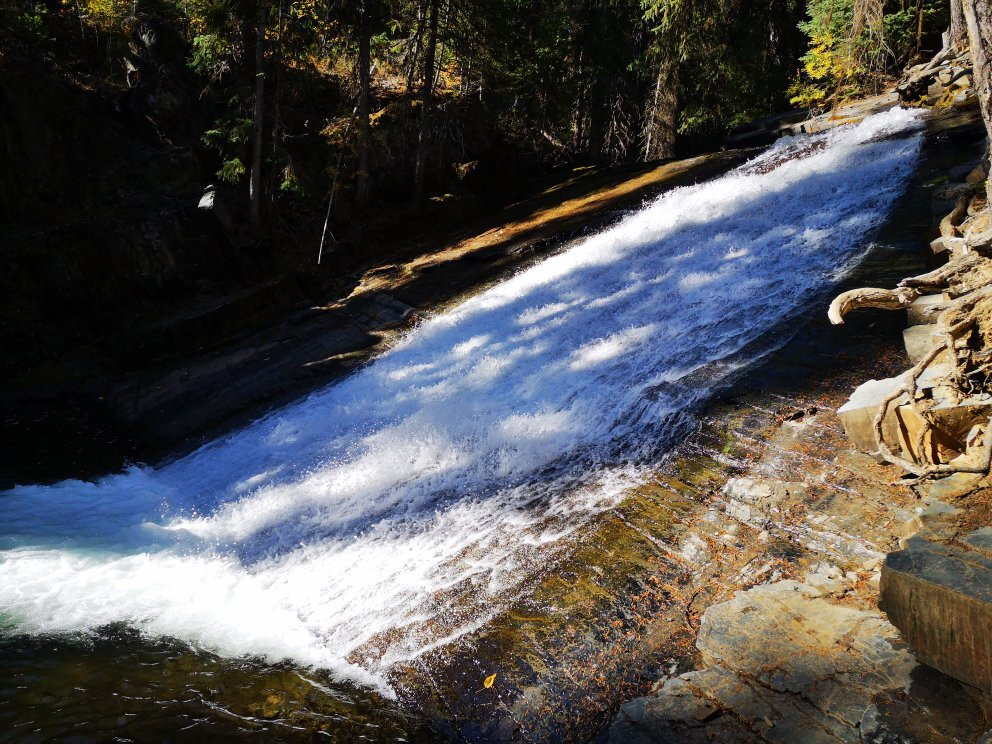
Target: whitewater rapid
x: 403, y: 507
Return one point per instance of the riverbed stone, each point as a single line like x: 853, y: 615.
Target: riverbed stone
x: 980, y: 540
x: 954, y: 486
x: 754, y: 500
x: 940, y: 598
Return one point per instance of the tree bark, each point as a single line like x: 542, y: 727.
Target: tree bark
x: 415, y: 43
x: 958, y: 32
x: 364, y: 83
x: 978, y: 16
x: 420, y: 171
x: 660, y: 119
x: 255, y: 180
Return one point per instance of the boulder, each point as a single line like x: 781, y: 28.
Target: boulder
x: 951, y: 420
x: 920, y: 340
x: 940, y: 598
x: 213, y: 204
x: 955, y: 419
x: 858, y: 414
x: 926, y: 308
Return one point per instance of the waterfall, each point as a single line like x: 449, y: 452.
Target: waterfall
x: 405, y: 506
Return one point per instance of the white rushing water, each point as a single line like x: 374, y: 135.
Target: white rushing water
x: 394, y: 511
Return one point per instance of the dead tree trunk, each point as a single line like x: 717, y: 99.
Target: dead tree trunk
x: 978, y: 16
x: 364, y: 83
x: 420, y: 171
x: 255, y: 180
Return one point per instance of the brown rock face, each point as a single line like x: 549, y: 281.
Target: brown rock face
x: 787, y: 665
x: 940, y: 598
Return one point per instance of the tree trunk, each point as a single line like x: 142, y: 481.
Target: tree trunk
x: 364, y: 82
x: 597, y: 118
x: 420, y: 171
x: 978, y: 15
x: 661, y: 117
x: 276, y: 93
x: 414, y: 52
x: 958, y: 32
x: 255, y: 181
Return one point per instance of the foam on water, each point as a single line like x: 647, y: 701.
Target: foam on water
x: 395, y: 511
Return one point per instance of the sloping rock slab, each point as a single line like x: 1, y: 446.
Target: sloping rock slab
x: 919, y: 340
x: 940, y: 597
x: 788, y: 666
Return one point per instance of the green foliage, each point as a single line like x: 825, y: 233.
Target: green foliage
x: 107, y: 15
x: 231, y: 171
x: 33, y: 23
x: 290, y: 183
x: 230, y: 130
x: 734, y: 58
x: 210, y: 55
x: 552, y: 81
x: 228, y: 137
x: 854, y: 44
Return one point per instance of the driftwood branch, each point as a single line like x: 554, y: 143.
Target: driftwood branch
x: 949, y: 225
x: 908, y: 389
x: 855, y: 299
x: 958, y: 277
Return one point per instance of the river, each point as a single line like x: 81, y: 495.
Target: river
x: 340, y: 549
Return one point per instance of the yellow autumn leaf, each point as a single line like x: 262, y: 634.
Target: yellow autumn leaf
x: 488, y: 681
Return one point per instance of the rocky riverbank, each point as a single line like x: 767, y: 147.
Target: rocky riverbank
x: 799, y: 650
